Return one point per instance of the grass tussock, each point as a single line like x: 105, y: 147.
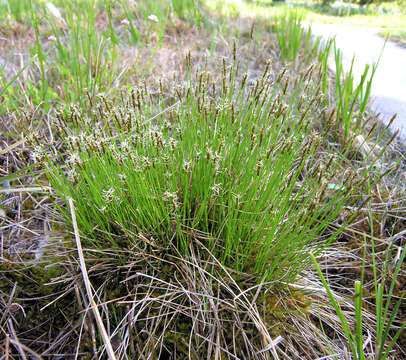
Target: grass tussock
x: 179, y: 218
x: 238, y: 163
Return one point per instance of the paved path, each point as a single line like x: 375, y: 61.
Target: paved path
x: 389, y: 84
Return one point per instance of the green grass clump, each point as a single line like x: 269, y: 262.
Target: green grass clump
x: 298, y: 45
x: 291, y: 34
x: 352, y: 98
x: 235, y: 166
x: 16, y: 9
x: 387, y: 307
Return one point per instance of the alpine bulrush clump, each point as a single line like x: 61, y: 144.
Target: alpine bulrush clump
x: 234, y: 164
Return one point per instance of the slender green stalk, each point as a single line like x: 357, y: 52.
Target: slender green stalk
x: 16, y: 76
x: 324, y: 55
x: 385, y: 317
x: 351, y: 97
x: 39, y: 52
x: 346, y: 328
x: 290, y: 35
x: 358, y: 320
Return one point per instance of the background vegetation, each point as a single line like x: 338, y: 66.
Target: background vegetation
x: 187, y: 179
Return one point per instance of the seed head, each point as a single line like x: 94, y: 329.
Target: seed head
x: 108, y: 195
x: 172, y: 144
x: 75, y: 160
x: 146, y: 162
x: 122, y: 177
x: 216, y: 189
x: 125, y: 146
x: 153, y: 18
x: 259, y: 166
x: 187, y: 166
x: 37, y: 154
x: 172, y: 198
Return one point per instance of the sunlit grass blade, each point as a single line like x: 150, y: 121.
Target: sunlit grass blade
x: 346, y: 328
x: 385, y: 325
x: 16, y: 76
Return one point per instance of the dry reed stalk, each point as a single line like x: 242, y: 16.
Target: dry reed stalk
x: 14, y: 340
x: 95, y: 309
x: 25, y: 189
x: 12, y: 146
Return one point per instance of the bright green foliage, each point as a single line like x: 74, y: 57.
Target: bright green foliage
x: 352, y: 98
x: 233, y: 166
x: 385, y: 313
x: 290, y: 34
x: 76, y: 55
x: 387, y: 308
x: 18, y: 9
x: 82, y: 54
x: 323, y: 57
x: 13, y: 79
x: 294, y: 38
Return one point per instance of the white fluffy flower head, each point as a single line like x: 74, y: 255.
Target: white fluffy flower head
x: 153, y: 18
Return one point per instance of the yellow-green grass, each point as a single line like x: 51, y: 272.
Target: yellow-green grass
x: 392, y: 19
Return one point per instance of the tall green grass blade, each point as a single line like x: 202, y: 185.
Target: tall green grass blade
x: 19, y: 174
x: 358, y: 320
x: 290, y: 34
x: 16, y: 76
x: 135, y: 33
x: 347, y: 331
x: 388, y: 299
x: 393, y: 341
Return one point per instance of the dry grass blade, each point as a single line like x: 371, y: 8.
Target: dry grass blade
x: 11, y: 147
x: 27, y: 349
x: 105, y: 337
x: 7, y: 349
x: 15, y: 340
x: 25, y: 189
x: 217, y: 347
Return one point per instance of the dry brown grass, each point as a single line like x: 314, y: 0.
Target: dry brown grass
x: 167, y: 307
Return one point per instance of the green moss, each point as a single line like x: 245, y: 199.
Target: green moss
x: 36, y: 314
